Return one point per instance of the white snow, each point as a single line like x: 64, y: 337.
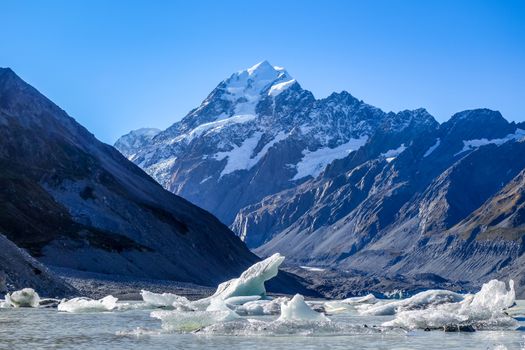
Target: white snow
x: 251, y: 281
x: 314, y: 162
x: 278, y: 88
x: 215, y: 126
x: 245, y: 88
x: 432, y: 148
x: 312, y: 269
x: 485, y: 309
x: 392, y: 154
x: 242, y: 157
x: 469, y: 145
x: 26, y: 297
x: 297, y: 310
x: 162, y: 300
x: 107, y: 303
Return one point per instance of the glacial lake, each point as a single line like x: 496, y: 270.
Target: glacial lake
x: 42, y: 328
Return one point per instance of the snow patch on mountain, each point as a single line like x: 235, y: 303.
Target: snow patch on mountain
x: 246, y: 87
x: 314, y: 162
x: 432, y: 148
x: 391, y: 154
x: 242, y: 157
x: 278, y: 88
x: 470, y: 145
x: 215, y: 126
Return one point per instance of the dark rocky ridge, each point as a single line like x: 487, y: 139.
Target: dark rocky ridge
x: 74, y: 202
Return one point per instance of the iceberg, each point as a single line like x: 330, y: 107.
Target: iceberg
x: 26, y: 297
x: 164, y: 299
x: 297, y: 310
x: 251, y: 281
x: 483, y: 310
x: 419, y: 301
x: 107, y: 303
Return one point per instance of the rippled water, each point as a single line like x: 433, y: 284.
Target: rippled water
x: 135, y: 329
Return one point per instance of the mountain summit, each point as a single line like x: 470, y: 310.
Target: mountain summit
x: 259, y: 132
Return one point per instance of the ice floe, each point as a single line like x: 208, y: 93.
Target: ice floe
x: 338, y: 306
x: 107, y: 303
x: 483, y: 310
x: 164, y: 299
x: 26, y: 297
x: 261, y: 307
x: 418, y: 301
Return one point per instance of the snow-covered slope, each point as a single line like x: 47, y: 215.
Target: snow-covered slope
x: 258, y: 133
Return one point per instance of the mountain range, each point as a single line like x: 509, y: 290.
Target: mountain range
x: 341, y: 185
x: 76, y: 204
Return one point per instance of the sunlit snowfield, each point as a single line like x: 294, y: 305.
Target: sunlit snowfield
x: 135, y: 329
x: 240, y: 315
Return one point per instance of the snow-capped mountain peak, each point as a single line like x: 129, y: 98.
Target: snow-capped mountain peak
x: 247, y: 87
x: 258, y: 132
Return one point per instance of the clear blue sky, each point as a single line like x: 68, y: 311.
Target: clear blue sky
x: 121, y: 65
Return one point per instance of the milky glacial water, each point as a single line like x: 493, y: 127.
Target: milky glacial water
x: 135, y: 329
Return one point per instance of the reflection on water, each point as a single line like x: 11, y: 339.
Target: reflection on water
x: 135, y: 329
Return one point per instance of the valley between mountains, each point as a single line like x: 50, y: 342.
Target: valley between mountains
x: 356, y: 198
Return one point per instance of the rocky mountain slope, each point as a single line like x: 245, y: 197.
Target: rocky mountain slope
x: 258, y: 133
x: 337, y: 183
x: 74, y: 202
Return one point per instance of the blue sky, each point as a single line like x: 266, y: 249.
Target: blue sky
x: 121, y: 65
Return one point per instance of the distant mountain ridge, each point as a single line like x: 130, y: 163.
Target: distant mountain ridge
x: 338, y: 183
x: 257, y: 125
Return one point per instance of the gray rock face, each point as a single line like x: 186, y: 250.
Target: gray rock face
x: 74, y: 202
x: 19, y: 270
x: 421, y: 213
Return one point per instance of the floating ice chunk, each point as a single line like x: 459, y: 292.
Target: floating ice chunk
x: 163, y: 300
x: 251, y: 281
x: 191, y: 321
x: 218, y: 305
x: 261, y: 307
x: 297, y: 310
x: 242, y: 300
x: 107, y: 303
x: 484, y: 310
x: 418, y: 301
x: 338, y: 306
x: 26, y: 297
